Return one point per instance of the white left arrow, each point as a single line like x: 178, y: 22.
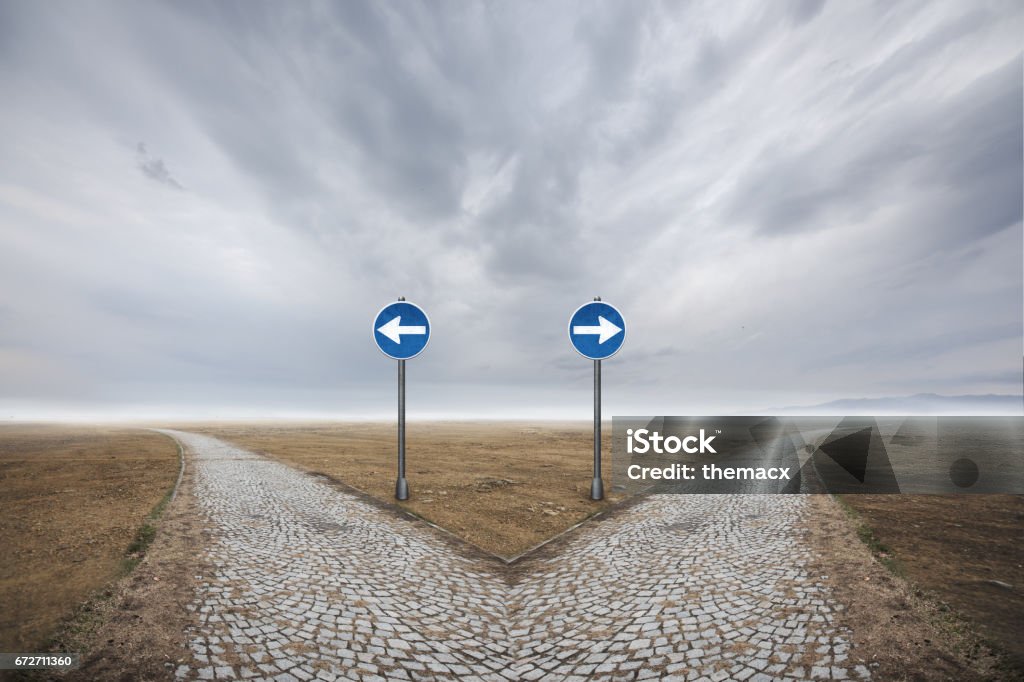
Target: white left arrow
x: 394, y: 329
x: 604, y: 329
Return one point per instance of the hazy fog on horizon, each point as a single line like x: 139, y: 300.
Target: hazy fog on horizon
x: 202, y: 206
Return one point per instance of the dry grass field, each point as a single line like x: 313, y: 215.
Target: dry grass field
x: 968, y: 550
x: 73, y: 500
x: 502, y: 486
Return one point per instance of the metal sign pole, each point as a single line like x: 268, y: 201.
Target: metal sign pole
x: 401, y: 485
x: 597, y: 485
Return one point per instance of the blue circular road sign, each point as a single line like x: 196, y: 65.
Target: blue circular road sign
x: 597, y: 330
x: 401, y: 330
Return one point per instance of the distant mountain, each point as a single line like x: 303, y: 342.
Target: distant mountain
x: 922, y: 403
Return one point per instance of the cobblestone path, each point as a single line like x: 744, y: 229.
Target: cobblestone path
x: 308, y: 582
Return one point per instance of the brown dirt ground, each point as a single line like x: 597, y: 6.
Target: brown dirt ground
x: 502, y: 486
x: 955, y: 548
x: 73, y: 499
x: 899, y: 631
x: 138, y: 632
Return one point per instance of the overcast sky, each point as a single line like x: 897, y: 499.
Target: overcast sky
x: 203, y: 205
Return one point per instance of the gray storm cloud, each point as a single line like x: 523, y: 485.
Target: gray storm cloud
x: 154, y: 168
x: 203, y: 205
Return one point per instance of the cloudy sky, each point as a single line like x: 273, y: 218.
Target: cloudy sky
x: 203, y: 205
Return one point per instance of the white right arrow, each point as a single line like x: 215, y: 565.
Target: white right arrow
x: 394, y: 329
x: 604, y: 329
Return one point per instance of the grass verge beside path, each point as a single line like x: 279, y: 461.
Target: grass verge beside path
x: 75, y: 497
x: 964, y: 553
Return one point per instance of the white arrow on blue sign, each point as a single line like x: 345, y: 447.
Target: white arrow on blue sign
x: 401, y: 330
x: 597, y: 330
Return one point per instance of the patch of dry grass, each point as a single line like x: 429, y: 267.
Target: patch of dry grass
x: 74, y: 498
x: 502, y: 486
x: 967, y: 550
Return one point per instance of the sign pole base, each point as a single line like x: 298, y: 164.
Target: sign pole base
x: 402, y: 489
x: 597, y: 489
